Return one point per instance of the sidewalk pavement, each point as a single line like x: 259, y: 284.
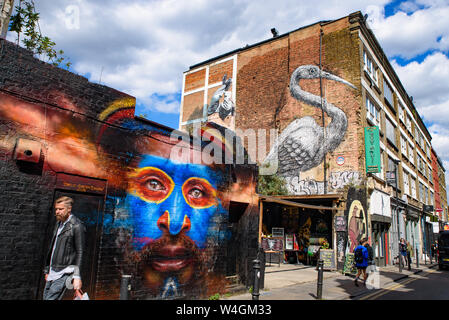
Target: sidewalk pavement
x: 297, y: 282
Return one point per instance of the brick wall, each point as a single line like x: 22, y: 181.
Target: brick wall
x: 88, y: 132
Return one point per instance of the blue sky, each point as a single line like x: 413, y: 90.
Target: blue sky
x: 142, y: 47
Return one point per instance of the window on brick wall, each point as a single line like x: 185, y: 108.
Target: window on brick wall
x: 413, y: 187
x: 426, y: 196
x: 421, y: 192
x: 419, y: 138
x: 406, y: 182
x: 381, y: 174
x: 388, y: 93
x: 370, y: 66
x: 430, y: 175
x: 401, y: 113
x: 422, y: 165
x: 408, y: 123
x: 410, y: 153
x: 391, y: 132
x: 432, y: 200
x: 373, y: 112
x: 404, y: 145
x: 419, y: 162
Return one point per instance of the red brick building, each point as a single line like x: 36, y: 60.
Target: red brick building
x: 318, y: 87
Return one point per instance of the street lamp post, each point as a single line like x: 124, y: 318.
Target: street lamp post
x: 396, y: 162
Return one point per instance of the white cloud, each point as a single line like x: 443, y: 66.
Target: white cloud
x: 427, y: 83
x: 409, y: 33
x: 143, y: 47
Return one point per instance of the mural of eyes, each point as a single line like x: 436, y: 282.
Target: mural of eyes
x: 151, y: 184
x: 199, y: 193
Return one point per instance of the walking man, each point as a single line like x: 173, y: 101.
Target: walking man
x: 361, y: 261
x: 65, y: 254
x: 370, y: 251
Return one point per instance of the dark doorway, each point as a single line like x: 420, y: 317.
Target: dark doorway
x: 236, y: 211
x: 89, y: 209
x: 380, y: 243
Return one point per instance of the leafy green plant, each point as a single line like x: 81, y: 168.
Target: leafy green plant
x: 214, y: 297
x: 271, y: 185
x: 26, y: 21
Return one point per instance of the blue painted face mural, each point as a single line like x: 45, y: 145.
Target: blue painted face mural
x: 171, y: 207
x: 171, y: 198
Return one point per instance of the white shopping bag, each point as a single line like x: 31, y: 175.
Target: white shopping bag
x: 79, y: 295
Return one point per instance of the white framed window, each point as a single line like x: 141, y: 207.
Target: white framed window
x: 421, y: 192
x: 404, y: 145
x: 419, y: 162
x: 432, y: 200
x: 370, y: 66
x: 426, y: 196
x: 405, y: 177
x: 413, y: 187
x: 430, y: 174
x: 408, y: 124
x: 373, y: 112
x: 391, y: 132
x: 388, y: 93
x: 410, y: 153
x: 401, y: 113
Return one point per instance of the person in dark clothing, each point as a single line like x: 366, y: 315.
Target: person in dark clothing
x: 403, y: 251
x: 361, y: 262
x: 66, y: 253
x: 434, y: 250
x: 370, y: 251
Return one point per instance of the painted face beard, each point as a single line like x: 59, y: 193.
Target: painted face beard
x: 172, y: 265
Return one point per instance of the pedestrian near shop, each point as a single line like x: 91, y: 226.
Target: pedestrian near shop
x: 403, y: 251
x: 65, y: 255
x: 361, y: 262
x: 409, y: 253
x: 370, y: 251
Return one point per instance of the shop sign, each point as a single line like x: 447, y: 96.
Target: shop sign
x: 372, y: 150
x: 340, y: 160
x: 328, y: 257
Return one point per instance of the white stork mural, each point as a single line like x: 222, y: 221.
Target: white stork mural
x: 303, y: 144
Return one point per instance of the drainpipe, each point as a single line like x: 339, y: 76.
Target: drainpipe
x: 322, y: 111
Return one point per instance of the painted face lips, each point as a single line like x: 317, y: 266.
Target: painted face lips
x: 170, y: 254
x: 171, y: 258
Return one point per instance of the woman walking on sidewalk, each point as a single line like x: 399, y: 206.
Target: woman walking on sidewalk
x: 403, y: 252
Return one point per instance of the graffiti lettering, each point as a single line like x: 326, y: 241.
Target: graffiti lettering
x: 340, y: 179
x: 309, y: 186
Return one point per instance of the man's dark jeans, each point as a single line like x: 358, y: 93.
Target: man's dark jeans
x: 54, y: 290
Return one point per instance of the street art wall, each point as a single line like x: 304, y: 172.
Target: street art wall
x: 357, y: 218
x: 209, y: 94
x: 154, y: 208
x: 303, y: 144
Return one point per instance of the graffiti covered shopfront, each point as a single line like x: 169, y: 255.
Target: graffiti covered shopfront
x: 306, y: 221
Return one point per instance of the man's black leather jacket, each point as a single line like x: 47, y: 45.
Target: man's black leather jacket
x: 69, y: 247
